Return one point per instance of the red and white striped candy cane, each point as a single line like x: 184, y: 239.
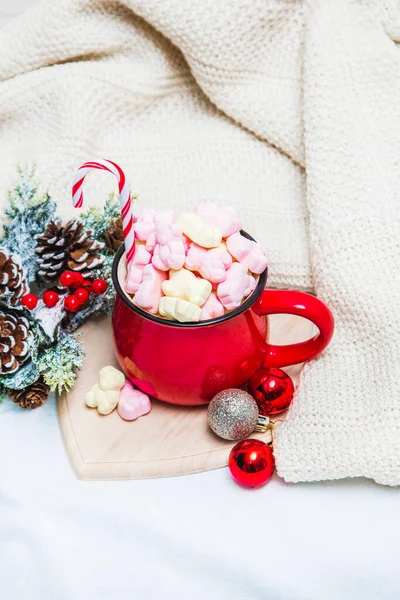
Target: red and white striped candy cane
x: 124, y: 198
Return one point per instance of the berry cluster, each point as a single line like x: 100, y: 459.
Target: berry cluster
x: 80, y: 295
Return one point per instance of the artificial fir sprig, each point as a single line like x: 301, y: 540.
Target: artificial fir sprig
x: 24, y: 194
x: 58, y: 362
x: 98, y: 219
x: 28, y: 212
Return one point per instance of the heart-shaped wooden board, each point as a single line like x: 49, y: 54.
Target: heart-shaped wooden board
x: 170, y: 440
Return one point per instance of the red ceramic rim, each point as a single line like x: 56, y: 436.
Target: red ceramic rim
x: 262, y: 280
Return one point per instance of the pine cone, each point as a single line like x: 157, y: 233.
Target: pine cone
x: 32, y: 396
x: 14, y: 342
x: 12, y: 278
x: 67, y: 247
x: 114, y: 235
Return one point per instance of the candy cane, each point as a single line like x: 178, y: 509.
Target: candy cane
x: 124, y: 198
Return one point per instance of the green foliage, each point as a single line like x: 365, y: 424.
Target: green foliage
x: 24, y: 193
x: 29, y: 213
x: 58, y: 362
x: 98, y: 219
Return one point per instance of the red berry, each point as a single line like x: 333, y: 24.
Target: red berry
x: 86, y: 284
x: 99, y: 286
x: 82, y: 295
x: 71, y: 303
x: 50, y: 298
x: 78, y: 279
x: 67, y: 278
x: 29, y: 301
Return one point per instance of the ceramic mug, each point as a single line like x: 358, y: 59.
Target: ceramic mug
x: 188, y: 363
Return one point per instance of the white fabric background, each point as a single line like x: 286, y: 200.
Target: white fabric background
x: 192, y: 537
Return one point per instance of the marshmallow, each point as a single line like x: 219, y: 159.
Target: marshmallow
x: 186, y: 242
x: 140, y: 259
x: 200, y: 232
x: 132, y: 403
x: 247, y: 252
x: 111, y: 379
x: 149, y: 292
x: 184, y: 284
x: 211, y: 264
x: 180, y: 310
x: 105, y: 394
x: 105, y: 402
x: 143, y: 223
x: 162, y: 218
x: 212, y: 308
x: 169, y: 252
x: 225, y: 218
x: 237, y: 285
x: 166, y: 242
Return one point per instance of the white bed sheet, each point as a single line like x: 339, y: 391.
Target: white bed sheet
x: 194, y: 537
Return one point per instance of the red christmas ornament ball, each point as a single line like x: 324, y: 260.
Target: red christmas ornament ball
x: 99, y: 286
x: 29, y: 301
x: 67, y: 278
x: 77, y: 279
x: 251, y: 463
x: 50, y: 298
x: 272, y: 389
x: 82, y: 295
x: 71, y: 303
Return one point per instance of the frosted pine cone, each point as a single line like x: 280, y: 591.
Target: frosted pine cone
x: 12, y: 278
x: 15, y: 339
x: 114, y: 235
x: 32, y: 396
x: 67, y: 247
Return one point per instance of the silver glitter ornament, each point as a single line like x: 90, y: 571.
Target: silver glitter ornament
x: 233, y: 415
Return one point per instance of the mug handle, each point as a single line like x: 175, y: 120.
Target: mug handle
x: 273, y: 302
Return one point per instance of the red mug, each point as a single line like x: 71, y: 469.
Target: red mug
x: 188, y: 363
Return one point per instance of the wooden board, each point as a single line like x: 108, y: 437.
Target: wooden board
x: 170, y: 440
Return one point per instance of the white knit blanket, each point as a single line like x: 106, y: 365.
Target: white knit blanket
x: 291, y: 111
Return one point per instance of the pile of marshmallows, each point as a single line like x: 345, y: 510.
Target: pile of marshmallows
x: 194, y: 267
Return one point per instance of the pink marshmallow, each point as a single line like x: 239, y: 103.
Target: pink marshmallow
x: 186, y: 242
x: 225, y: 218
x: 169, y: 251
x: 212, y: 308
x: 164, y: 217
x: 237, y: 285
x: 211, y: 264
x: 151, y: 242
x: 143, y: 223
x: 140, y: 259
x: 247, y: 252
x: 150, y: 291
x: 132, y: 403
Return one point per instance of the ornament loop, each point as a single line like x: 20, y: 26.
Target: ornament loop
x: 262, y: 424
